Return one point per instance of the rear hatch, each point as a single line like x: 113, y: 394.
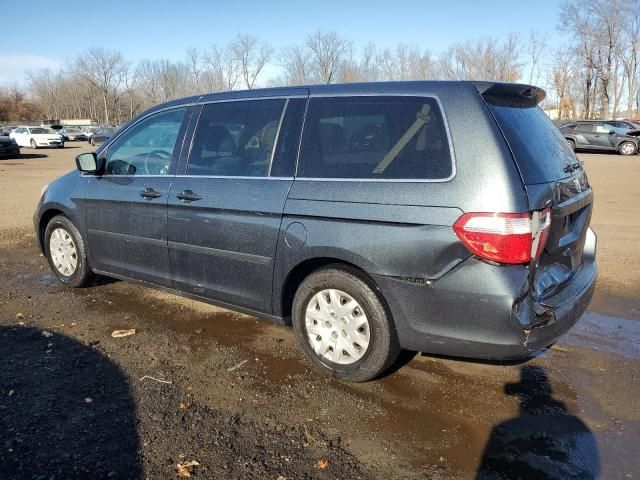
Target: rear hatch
x: 552, y: 176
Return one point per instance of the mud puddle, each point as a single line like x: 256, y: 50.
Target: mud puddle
x: 606, y: 334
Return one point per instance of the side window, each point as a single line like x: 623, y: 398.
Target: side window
x: 375, y: 137
x: 148, y: 147
x: 586, y: 127
x: 236, y: 138
x: 602, y: 129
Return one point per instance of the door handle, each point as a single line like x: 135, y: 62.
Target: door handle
x: 150, y: 193
x: 188, y: 196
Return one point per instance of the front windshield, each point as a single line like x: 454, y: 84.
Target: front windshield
x: 42, y: 130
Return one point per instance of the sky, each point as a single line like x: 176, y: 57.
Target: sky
x: 44, y: 34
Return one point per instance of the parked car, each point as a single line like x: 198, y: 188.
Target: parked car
x: 35, y: 137
x: 101, y: 135
x: 8, y: 148
x: 384, y: 224
x: 72, y: 134
x: 598, y: 135
x: 7, y: 129
x: 627, y: 125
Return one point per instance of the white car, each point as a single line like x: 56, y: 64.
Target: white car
x: 35, y: 137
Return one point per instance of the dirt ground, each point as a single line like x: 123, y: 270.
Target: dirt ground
x: 234, y: 394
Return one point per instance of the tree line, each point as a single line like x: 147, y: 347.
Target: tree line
x: 595, y: 74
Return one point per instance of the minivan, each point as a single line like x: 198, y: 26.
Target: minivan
x: 450, y: 218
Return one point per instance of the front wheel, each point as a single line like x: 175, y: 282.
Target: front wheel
x: 34, y: 145
x: 342, y: 325
x: 572, y: 144
x: 66, y: 253
x: 627, y: 148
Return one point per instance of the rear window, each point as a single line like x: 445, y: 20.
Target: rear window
x: 540, y: 150
x: 375, y: 138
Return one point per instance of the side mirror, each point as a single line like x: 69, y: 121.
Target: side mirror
x: 87, y: 162
x: 612, y: 132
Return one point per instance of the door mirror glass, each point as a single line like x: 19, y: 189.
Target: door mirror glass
x: 612, y: 132
x: 87, y: 162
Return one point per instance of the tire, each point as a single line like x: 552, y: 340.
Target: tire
x: 382, y: 347
x: 93, y: 143
x: 34, y: 145
x: 627, y: 148
x: 572, y: 144
x: 81, y: 273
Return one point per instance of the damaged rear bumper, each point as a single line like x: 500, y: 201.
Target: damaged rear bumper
x: 485, y: 311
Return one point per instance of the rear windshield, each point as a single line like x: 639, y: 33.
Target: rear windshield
x: 540, y: 150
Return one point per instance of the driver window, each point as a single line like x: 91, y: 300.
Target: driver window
x: 148, y: 147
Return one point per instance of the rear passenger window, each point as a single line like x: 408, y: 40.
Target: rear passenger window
x: 235, y: 138
x: 375, y: 138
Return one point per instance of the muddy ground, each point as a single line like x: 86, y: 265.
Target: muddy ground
x: 234, y: 394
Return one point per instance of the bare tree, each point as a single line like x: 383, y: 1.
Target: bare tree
x: 483, y: 59
x: 536, y: 49
x: 195, y: 67
x: 327, y: 51
x: 561, y: 75
x: 359, y: 68
x: 223, y: 69
x: 295, y: 65
x: 104, y: 69
x: 252, y: 57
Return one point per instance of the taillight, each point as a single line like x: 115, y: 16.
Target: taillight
x: 505, y: 237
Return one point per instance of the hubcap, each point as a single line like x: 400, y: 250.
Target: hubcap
x: 337, y: 327
x: 627, y: 148
x: 64, y: 254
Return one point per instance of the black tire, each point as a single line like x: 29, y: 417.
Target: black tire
x: 82, y: 274
x: 34, y: 145
x: 92, y: 142
x: 572, y: 144
x: 383, y: 349
x: 624, y: 149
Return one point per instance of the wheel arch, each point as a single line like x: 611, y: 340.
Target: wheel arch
x: 45, y: 218
x: 303, y: 269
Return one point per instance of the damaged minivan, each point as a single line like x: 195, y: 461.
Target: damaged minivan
x: 449, y: 218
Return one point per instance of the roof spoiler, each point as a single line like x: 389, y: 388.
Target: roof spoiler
x: 510, y: 94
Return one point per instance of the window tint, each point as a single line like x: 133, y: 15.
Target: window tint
x: 375, y: 137
x: 540, y: 150
x: 586, y: 127
x: 148, y: 147
x: 235, y: 138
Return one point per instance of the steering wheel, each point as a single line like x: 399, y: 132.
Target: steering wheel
x: 152, y: 168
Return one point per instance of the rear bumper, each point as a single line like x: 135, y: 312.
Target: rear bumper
x: 484, y: 311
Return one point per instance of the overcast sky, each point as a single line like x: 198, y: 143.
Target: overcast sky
x: 43, y: 34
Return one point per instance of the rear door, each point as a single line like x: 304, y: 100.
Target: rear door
x: 126, y: 207
x: 225, y: 208
x: 553, y: 177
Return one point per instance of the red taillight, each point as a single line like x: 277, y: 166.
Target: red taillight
x: 505, y: 237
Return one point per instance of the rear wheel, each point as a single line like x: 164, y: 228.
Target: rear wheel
x: 342, y: 325
x: 93, y: 143
x: 34, y: 145
x: 627, y: 148
x: 66, y: 253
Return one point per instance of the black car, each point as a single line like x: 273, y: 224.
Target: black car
x: 8, y: 148
x: 368, y: 216
x: 6, y: 130
x: 101, y: 135
x: 598, y: 135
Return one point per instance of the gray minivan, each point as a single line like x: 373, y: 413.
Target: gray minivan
x: 444, y: 217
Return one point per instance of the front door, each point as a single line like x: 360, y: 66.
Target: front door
x: 126, y: 214
x: 225, y: 211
